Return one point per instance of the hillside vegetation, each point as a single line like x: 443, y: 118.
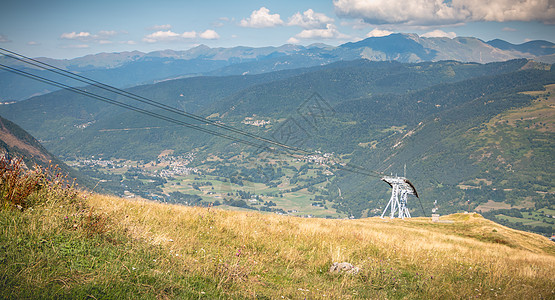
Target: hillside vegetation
x: 96, y: 246
x: 469, y: 134
x: 466, y: 132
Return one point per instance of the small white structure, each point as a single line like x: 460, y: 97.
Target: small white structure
x: 400, y: 189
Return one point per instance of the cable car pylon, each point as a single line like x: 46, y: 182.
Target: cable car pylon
x: 401, y: 187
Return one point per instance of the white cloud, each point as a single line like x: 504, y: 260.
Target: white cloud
x: 4, y: 39
x: 209, y: 35
x: 106, y: 33
x: 161, y: 36
x: 330, y: 32
x: 309, y: 19
x: 160, y: 27
x: 292, y: 40
x: 443, y: 12
x: 189, y: 34
x: 102, y: 37
x: 261, y: 18
x: 378, y: 33
x: 440, y: 33
x: 509, y: 10
x: 74, y: 35
x: 222, y: 21
x: 33, y: 43
x: 80, y: 46
x: 417, y: 12
x: 356, y: 24
x: 128, y: 42
x: 168, y: 35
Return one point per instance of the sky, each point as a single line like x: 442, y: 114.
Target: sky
x: 74, y: 28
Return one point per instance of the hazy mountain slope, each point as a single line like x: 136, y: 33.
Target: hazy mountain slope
x: 449, y: 152
x: 344, y: 81
x: 133, y: 68
x: 429, y: 116
x: 17, y: 143
x: 537, y: 48
x: 77, y: 118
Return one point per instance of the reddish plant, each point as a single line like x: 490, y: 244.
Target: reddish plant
x: 21, y: 187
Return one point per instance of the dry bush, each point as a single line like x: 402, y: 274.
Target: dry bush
x: 16, y: 183
x: 23, y: 188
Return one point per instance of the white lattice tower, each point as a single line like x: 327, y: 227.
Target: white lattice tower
x: 400, y: 189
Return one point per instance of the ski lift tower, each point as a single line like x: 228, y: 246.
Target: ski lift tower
x: 400, y: 189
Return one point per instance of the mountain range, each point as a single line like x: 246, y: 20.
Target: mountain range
x: 128, y: 69
x: 468, y: 133
x: 472, y: 123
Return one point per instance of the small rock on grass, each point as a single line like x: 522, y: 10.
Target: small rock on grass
x: 343, y: 267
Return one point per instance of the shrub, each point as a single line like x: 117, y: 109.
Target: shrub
x: 21, y: 187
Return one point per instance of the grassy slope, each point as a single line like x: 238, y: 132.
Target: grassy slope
x: 115, y: 248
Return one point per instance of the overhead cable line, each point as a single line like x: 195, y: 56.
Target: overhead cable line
x: 340, y: 166
x: 127, y: 106
x: 59, y: 71
x: 283, y: 147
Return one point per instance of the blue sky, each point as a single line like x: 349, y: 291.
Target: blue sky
x: 68, y: 29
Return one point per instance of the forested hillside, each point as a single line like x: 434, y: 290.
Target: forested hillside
x: 472, y: 136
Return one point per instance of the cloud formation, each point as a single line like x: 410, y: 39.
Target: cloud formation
x: 444, y: 12
x: 378, y: 33
x: 330, y: 32
x: 169, y: 36
x: 80, y: 46
x: 107, y: 33
x: 510, y: 10
x: 101, y: 37
x: 309, y: 19
x: 74, y: 35
x: 209, y: 34
x: 261, y: 18
x: 4, y: 39
x: 160, y: 27
x: 293, y: 40
x: 440, y: 33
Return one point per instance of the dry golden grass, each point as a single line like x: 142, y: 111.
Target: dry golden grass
x: 249, y: 254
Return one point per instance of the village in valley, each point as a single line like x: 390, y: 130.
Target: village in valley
x: 297, y: 186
